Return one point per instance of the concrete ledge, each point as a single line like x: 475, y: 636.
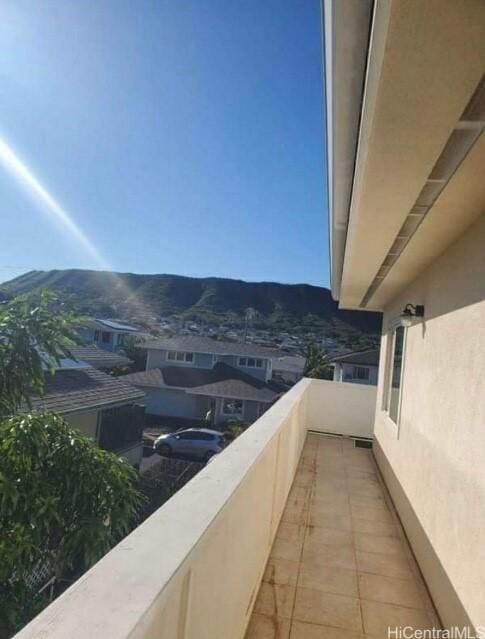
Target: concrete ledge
x: 193, y: 569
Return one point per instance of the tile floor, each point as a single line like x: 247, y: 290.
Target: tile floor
x: 340, y: 566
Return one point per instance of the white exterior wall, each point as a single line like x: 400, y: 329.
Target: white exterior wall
x: 330, y: 411
x: 434, y: 462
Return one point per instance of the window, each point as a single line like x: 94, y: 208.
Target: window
x: 119, y: 338
x: 180, y: 356
x: 105, y: 337
x: 394, y: 376
x: 96, y: 336
x: 250, y: 362
x: 360, y: 372
x: 232, y: 406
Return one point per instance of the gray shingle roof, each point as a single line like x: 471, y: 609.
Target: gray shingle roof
x: 235, y: 389
x: 290, y: 363
x: 75, y: 390
x: 99, y: 358
x: 220, y: 379
x: 368, y: 357
x: 196, y: 344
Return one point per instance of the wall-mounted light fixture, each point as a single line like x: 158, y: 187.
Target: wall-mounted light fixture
x: 410, y: 311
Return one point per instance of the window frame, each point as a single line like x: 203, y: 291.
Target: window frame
x: 232, y: 414
x: 186, y: 357
x: 243, y: 362
x: 389, y: 371
x: 366, y: 369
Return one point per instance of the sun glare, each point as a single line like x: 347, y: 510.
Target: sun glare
x: 25, y: 177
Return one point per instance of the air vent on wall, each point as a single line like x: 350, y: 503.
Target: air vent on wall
x: 466, y: 132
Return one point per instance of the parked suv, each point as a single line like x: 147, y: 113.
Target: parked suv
x: 193, y: 442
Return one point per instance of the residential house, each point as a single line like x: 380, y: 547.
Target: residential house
x: 288, y: 368
x: 298, y: 530
x: 102, y: 406
x: 360, y: 367
x: 187, y: 376
x: 106, y: 333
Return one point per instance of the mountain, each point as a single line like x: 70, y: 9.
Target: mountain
x: 297, y: 308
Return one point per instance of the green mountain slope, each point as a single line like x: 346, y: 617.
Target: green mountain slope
x: 144, y: 298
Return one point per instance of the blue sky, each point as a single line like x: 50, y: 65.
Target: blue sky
x: 180, y: 136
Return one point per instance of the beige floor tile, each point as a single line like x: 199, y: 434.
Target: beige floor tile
x: 293, y: 516
x: 314, y: 606
x: 266, y: 627
x: 283, y: 549
x: 275, y: 600
x: 329, y: 579
x: 321, y: 510
x: 378, y: 543
x: 341, y: 522
x: 378, y: 503
x: 364, y: 488
x: 298, y: 493
x: 378, y: 617
x: 387, y: 565
x: 369, y: 474
x: 281, y: 571
x: 401, y: 592
x: 301, y: 630
x: 339, y: 548
x: 372, y: 514
x: 329, y: 536
x: 291, y: 532
x: 381, y: 528
x: 328, y: 556
x: 324, y: 491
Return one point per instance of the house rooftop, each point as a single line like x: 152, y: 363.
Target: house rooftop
x: 222, y: 381
x: 368, y: 357
x: 79, y: 389
x: 290, y: 363
x: 196, y: 344
x: 97, y: 357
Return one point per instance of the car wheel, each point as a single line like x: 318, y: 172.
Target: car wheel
x: 164, y: 450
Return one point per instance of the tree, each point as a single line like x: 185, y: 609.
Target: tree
x: 35, y: 334
x: 63, y: 501
x: 317, y: 362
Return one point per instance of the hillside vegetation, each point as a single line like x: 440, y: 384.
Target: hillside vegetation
x: 296, y: 308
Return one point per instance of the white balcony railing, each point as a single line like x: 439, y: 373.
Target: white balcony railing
x: 193, y: 569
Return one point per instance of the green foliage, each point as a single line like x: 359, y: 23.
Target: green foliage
x: 295, y: 308
x: 236, y: 428
x: 34, y: 334
x: 132, y: 350
x: 317, y: 363
x: 64, y: 503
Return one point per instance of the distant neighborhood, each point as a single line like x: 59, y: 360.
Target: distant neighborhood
x: 187, y: 380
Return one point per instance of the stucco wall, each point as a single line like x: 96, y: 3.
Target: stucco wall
x: 338, y: 407
x: 85, y: 422
x: 434, y: 463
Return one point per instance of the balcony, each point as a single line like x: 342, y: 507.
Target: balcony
x: 288, y: 534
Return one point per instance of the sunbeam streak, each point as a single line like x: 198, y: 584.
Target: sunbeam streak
x: 24, y: 176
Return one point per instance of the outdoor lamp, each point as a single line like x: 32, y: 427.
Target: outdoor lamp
x: 409, y: 312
